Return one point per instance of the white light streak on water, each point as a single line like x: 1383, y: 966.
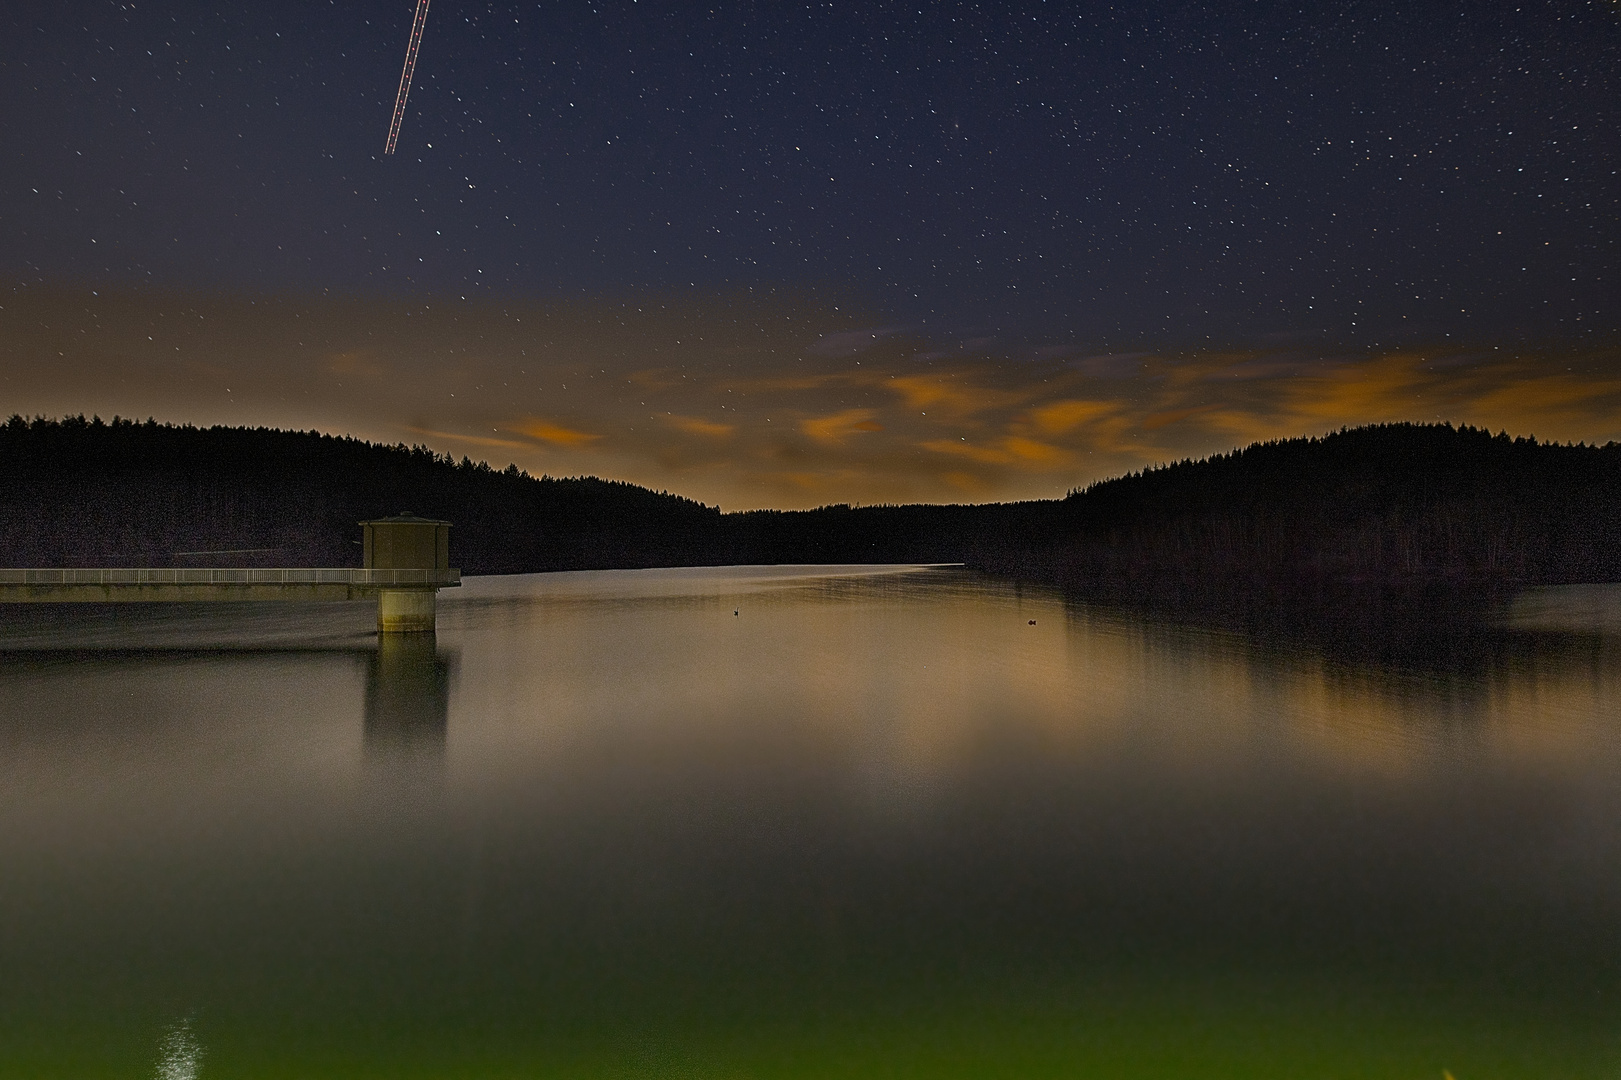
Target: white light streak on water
x: 180, y: 1054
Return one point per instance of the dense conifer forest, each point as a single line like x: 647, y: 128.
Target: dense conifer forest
x: 1355, y: 528
x: 82, y: 492
x: 1393, y: 510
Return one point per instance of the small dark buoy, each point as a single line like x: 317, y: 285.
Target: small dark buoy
x: 1032, y: 622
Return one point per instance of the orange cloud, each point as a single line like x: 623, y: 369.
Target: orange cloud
x: 1057, y: 417
x: 547, y: 432
x: 694, y: 426
x: 840, y: 425
x: 766, y: 384
x: 655, y: 378
x: 1012, y: 450
x: 355, y: 363
x: 1033, y: 452
x: 966, y: 482
x: 1387, y: 388
x: 1155, y: 421
x: 476, y: 440
x: 724, y: 401
x: 924, y: 392
x: 1557, y: 395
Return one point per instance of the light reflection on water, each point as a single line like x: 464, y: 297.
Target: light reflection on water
x: 407, y: 698
x: 181, y: 1053
x: 604, y: 812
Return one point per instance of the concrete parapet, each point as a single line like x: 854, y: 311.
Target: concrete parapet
x: 405, y: 595
x: 367, y: 580
x: 407, y: 561
x: 89, y: 592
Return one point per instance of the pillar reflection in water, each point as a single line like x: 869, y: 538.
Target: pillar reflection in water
x: 407, y: 698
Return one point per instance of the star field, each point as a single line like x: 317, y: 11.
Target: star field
x: 1050, y: 172
x: 778, y: 254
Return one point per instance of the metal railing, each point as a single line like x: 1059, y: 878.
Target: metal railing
x: 230, y: 576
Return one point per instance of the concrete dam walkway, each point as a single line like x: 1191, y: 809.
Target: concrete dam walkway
x: 407, y: 562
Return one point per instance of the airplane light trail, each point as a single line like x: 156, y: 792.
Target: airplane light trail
x: 405, y: 76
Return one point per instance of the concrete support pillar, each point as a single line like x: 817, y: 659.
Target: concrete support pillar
x: 401, y: 611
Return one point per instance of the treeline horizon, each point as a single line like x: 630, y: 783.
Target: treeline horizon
x: 1391, y: 509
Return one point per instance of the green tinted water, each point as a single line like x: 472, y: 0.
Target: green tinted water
x: 871, y: 824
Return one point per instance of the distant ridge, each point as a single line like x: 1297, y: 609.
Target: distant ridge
x: 1395, y: 507
x: 1392, y: 507
x: 77, y: 492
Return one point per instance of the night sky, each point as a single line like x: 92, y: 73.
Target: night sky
x: 790, y: 254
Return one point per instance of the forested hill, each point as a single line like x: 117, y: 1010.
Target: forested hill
x: 1392, y: 509
x: 82, y: 492
x: 1396, y: 505
x: 1393, y: 506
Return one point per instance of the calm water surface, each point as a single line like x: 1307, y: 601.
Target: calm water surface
x: 801, y: 822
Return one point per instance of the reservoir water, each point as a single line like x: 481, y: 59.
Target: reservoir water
x: 802, y: 821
